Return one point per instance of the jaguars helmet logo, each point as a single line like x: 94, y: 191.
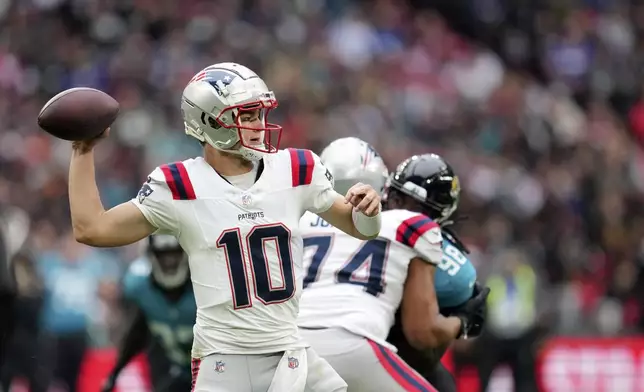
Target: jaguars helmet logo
x: 456, y: 187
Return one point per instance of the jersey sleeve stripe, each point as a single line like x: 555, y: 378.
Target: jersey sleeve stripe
x: 169, y: 179
x: 194, y: 370
x: 176, y: 176
x: 302, y: 165
x: 402, y: 373
x: 185, y: 180
x: 413, y: 228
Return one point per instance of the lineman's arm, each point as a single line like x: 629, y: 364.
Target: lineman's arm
x: 423, y: 325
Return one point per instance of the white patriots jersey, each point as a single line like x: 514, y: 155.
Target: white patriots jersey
x: 358, y: 285
x: 244, y: 246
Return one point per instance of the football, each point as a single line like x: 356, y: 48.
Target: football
x: 78, y: 114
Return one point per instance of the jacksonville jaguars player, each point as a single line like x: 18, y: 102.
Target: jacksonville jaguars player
x: 162, y: 310
x: 353, y: 288
x: 427, y: 184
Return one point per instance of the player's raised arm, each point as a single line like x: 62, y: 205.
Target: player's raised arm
x: 92, y: 224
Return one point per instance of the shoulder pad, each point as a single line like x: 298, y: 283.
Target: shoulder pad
x: 176, y: 176
x: 413, y: 228
x: 302, y: 165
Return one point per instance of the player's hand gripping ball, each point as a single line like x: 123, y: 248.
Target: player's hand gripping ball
x: 78, y: 114
x: 364, y: 199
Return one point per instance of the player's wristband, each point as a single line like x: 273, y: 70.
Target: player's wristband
x: 368, y: 226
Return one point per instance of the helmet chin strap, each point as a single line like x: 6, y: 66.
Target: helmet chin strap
x: 244, y: 152
x: 249, y: 154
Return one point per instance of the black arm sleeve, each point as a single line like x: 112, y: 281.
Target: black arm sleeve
x: 422, y: 361
x: 135, y: 340
x: 441, y: 379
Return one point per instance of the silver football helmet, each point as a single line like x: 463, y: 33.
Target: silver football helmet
x: 168, y: 261
x: 351, y: 160
x: 213, y: 101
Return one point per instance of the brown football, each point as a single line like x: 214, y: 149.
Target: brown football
x: 79, y: 113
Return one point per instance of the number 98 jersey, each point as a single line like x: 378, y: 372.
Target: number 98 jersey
x: 455, y: 277
x: 244, y: 246
x: 358, y: 285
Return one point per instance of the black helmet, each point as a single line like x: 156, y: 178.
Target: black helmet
x: 429, y: 180
x: 169, y: 261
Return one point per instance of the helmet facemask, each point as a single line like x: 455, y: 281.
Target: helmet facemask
x: 169, y: 262
x: 268, y: 135
x: 169, y: 268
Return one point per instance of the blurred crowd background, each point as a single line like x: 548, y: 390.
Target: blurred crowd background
x: 537, y: 104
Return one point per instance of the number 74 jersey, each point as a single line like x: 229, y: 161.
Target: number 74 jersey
x: 244, y: 246
x: 358, y: 285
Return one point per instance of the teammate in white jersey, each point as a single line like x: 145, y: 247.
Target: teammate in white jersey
x: 235, y: 211
x: 353, y: 288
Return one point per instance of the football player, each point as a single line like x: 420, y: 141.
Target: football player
x: 427, y: 184
x: 353, y: 288
x: 14, y: 229
x: 236, y: 212
x: 161, y: 312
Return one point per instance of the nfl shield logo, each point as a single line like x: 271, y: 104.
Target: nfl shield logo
x: 293, y: 363
x: 246, y: 200
x: 220, y: 366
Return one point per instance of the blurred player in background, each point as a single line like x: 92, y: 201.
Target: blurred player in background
x: 236, y: 212
x: 161, y: 312
x: 353, y: 288
x: 26, y: 356
x: 14, y: 229
x: 427, y: 184
x: 7, y: 296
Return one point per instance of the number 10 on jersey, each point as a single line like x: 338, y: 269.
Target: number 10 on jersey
x: 233, y: 243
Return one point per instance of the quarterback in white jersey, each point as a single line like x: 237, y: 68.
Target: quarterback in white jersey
x: 235, y: 213
x: 353, y: 288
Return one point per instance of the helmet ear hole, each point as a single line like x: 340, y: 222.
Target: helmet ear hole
x: 213, y: 123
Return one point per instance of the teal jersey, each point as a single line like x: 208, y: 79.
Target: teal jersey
x: 455, y: 276
x: 170, y: 322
